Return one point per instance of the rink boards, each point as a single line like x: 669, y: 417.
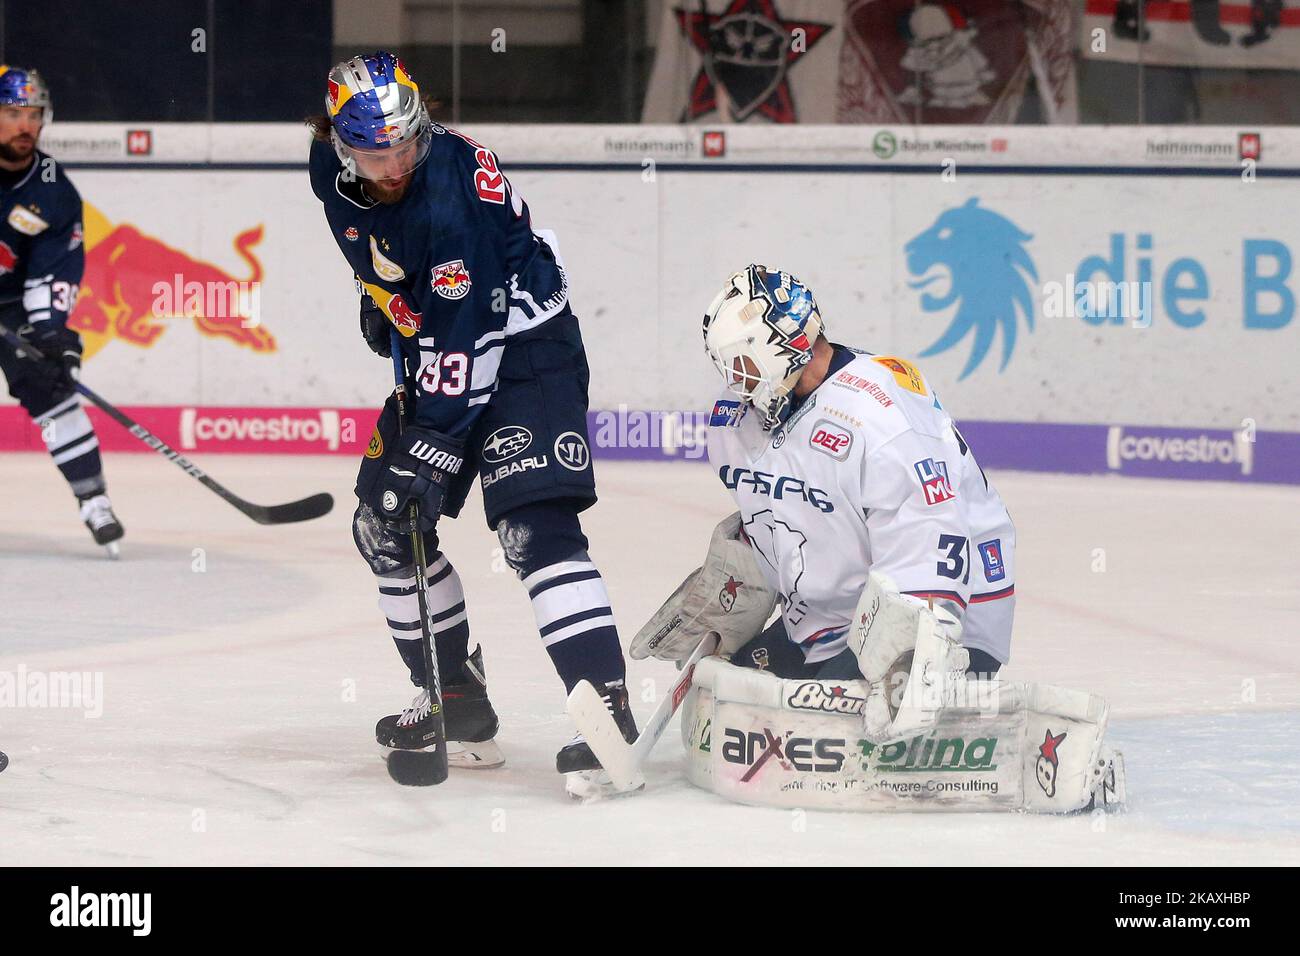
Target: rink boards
x: 1083, y: 300
x: 622, y: 435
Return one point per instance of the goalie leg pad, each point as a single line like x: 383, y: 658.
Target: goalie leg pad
x: 755, y: 738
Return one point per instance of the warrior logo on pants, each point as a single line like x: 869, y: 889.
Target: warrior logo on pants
x: 571, y: 451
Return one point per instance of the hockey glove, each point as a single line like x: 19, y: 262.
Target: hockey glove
x: 61, y: 351
x: 419, y: 469
x: 375, y: 326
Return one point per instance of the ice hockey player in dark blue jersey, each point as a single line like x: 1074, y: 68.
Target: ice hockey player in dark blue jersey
x: 444, y: 249
x: 41, y: 261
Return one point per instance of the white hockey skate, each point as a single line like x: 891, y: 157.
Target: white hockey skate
x: 97, y: 513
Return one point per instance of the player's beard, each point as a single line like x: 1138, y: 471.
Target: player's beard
x: 388, y: 192
x: 18, y: 150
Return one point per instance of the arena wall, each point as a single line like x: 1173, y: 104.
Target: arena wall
x: 1183, y: 238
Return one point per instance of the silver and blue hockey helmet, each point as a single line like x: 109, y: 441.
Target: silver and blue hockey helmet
x: 20, y: 87
x: 379, y: 126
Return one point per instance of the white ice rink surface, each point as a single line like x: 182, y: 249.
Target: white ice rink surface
x: 239, y: 701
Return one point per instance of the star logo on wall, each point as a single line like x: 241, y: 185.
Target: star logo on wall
x: 748, y: 50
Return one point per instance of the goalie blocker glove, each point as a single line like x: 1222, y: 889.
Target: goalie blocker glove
x: 418, y: 469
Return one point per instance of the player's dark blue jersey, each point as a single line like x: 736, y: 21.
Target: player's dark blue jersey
x: 41, y: 254
x: 455, y: 265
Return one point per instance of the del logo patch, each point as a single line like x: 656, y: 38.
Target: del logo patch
x: 905, y: 373
x: 376, y: 447
x: 934, y: 480
x: 991, y: 554
x: 451, y: 279
x: 831, y: 439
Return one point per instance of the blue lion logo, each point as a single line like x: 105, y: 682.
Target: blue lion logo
x: 986, y: 263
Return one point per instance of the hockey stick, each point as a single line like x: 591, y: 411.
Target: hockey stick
x: 419, y: 768
x: 303, y: 510
x: 621, y: 760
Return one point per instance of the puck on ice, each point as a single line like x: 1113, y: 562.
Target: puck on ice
x: 4, y: 761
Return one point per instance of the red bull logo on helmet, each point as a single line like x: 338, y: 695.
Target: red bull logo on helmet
x: 451, y: 279
x: 134, y: 283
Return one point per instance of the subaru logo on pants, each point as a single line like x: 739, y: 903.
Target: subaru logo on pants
x: 504, y: 443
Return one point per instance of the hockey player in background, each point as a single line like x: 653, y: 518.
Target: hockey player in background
x: 843, y: 464
x: 41, y: 263
x: 443, y: 246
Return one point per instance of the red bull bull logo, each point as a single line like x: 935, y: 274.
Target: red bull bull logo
x: 134, y: 282
x: 451, y: 280
x: 8, y: 259
x: 395, y: 307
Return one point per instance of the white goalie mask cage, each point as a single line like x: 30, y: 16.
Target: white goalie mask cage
x: 759, y: 332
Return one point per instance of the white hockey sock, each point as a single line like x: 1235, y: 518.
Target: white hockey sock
x: 574, y: 619
x: 401, y: 605
x: 569, y: 600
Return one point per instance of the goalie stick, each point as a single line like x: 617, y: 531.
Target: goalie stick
x: 302, y: 510
x: 621, y: 760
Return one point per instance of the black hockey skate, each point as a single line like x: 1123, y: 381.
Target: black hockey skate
x: 583, y: 775
x: 471, y: 722
x: 97, y: 513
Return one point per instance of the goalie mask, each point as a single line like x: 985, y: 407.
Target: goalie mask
x: 759, y: 332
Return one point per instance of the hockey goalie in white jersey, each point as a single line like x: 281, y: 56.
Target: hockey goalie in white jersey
x: 864, y: 516
x: 856, y: 467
